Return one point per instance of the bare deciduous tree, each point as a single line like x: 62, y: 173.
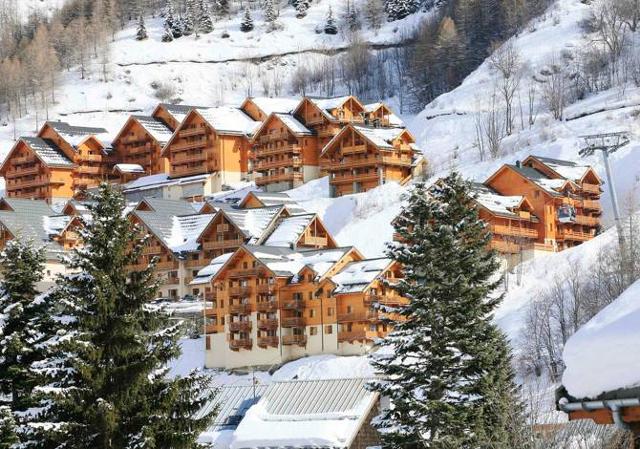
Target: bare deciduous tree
x: 507, y: 62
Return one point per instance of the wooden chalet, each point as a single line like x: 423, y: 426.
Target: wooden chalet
x: 380, y: 115
x: 172, y: 114
x: 285, y: 153
x: 567, y: 216
x: 259, y: 108
x: 510, y: 219
x: 255, y: 199
x: 140, y: 142
x: 211, y: 141
x: 326, y: 116
x: 361, y: 158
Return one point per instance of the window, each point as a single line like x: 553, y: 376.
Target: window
x: 329, y: 311
x: 349, y: 309
x: 313, y: 330
x: 328, y: 329
x: 222, y: 303
x: 536, y: 194
x: 312, y: 313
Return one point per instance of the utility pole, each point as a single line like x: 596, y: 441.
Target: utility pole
x: 608, y: 143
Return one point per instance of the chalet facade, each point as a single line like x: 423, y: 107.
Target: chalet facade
x: 568, y: 213
x: 259, y: 108
x: 172, y: 115
x: 361, y: 158
x: 269, y: 304
x: 212, y: 141
x: 140, y: 142
x: 285, y: 153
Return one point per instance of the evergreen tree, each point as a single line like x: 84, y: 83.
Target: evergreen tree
x: 141, y: 34
x: 351, y: 16
x: 188, y: 19
x: 167, y: 35
x: 374, y: 13
x: 301, y: 7
x: 109, y: 362
x: 203, y: 22
x: 222, y: 8
x: 20, y: 309
x: 330, y: 25
x: 446, y: 366
x: 172, y: 28
x: 8, y: 436
x: 270, y: 15
x: 247, y: 22
x: 399, y: 9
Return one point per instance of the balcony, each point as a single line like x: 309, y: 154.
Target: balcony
x: 270, y: 324
x: 515, y: 231
x: 578, y: 236
x: 505, y: 247
x: 187, y: 132
x: 210, y: 328
x: 403, y: 161
x: 240, y: 309
x: 591, y: 188
x: 284, y: 149
x: 349, y: 178
x: 352, y: 316
x: 353, y: 149
x: 240, y: 326
x: 210, y: 312
x: 180, y: 159
x: 89, y: 170
x: 300, y: 340
x: 265, y: 289
x: 295, y: 304
x: 183, y: 146
x: 591, y: 205
x: 31, y: 183
x: 91, y: 158
x: 243, y: 273
x: 237, y: 292
x: 263, y: 165
x: 267, y: 306
x: 180, y: 171
x: 283, y: 177
x: 211, y: 296
x: 386, y: 300
x: 222, y: 228
x: 316, y: 241
x: 266, y: 342
x: 270, y: 137
x: 358, y: 335
x: 167, y: 265
x: 217, y: 244
x: 587, y: 221
x: 23, y: 160
x: 142, y: 148
x: 295, y: 321
x: 327, y: 132
x: 152, y: 249
x: 240, y: 343
x: 24, y: 172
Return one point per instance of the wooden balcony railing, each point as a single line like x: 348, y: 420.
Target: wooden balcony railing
x: 240, y: 291
x: 269, y: 324
x: 182, y: 158
x: 91, y: 158
x: 211, y: 296
x: 210, y: 328
x: 192, y: 131
x: 354, y: 149
x: 240, y: 309
x: 240, y: 343
x: 587, y: 221
x: 515, y: 231
x: 210, y: 312
x: 265, y: 289
x: 349, y: 178
x: 292, y: 304
x: 181, y: 171
x: 315, y: 121
x: 284, y: 149
x: 266, y: 342
x: 392, y: 160
x: 591, y: 188
x: 358, y: 335
x: 89, y: 170
x: 570, y: 234
x: 263, y: 165
x: 216, y: 244
x: 184, y: 145
x: 505, y: 247
x: 240, y: 326
x: 23, y: 160
x: 316, y: 241
x: 351, y: 317
x: 270, y: 137
x: 282, y: 177
x: 390, y: 299
x: 152, y: 249
x: 293, y: 322
x: 243, y: 272
x: 267, y: 306
x: 24, y: 172
x: 300, y: 340
x: 591, y: 205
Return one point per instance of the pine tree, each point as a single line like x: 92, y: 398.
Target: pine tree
x: 8, y: 435
x: 450, y: 378
x: 141, y: 34
x: 399, y: 9
x: 20, y: 306
x: 116, y: 393
x: 270, y: 15
x: 188, y: 19
x: 203, y: 23
x: 353, y: 23
x: 167, y: 35
x: 330, y: 25
x: 172, y: 29
x: 222, y: 8
x: 374, y: 13
x: 301, y: 7
x: 247, y: 22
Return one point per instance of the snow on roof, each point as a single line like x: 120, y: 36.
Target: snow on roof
x: 356, y: 276
x: 179, y: 111
x: 156, y: 128
x: 207, y: 273
x: 185, y: 231
x: 128, y: 168
x: 380, y: 137
x: 278, y: 198
x: 287, y: 262
x: 280, y: 105
x: 327, y: 104
x: 161, y: 180
x: 394, y: 120
x: 48, y: 152
x: 229, y: 120
x: 549, y: 185
x: 294, y: 125
x: 496, y: 203
x: 566, y: 169
x: 53, y: 225
x: 289, y: 230
x: 602, y: 356
x: 75, y: 135
x: 253, y: 222
x: 306, y: 413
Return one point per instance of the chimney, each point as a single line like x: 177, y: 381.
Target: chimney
x: 518, y: 164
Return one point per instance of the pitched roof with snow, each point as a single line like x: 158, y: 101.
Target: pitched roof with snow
x: 206, y: 274
x: 294, y: 125
x: 496, y: 203
x: 156, y: 128
x: 287, y: 262
x: 128, y: 168
x: 179, y: 111
x: 289, y: 230
x: 394, y: 120
x: 48, y: 152
x: 270, y: 105
x: 549, y: 185
x: 229, y: 120
x: 567, y: 169
x: 380, y: 137
x: 277, y: 199
x: 356, y: 276
x: 160, y: 180
x: 254, y: 222
x: 74, y: 135
x: 306, y: 414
